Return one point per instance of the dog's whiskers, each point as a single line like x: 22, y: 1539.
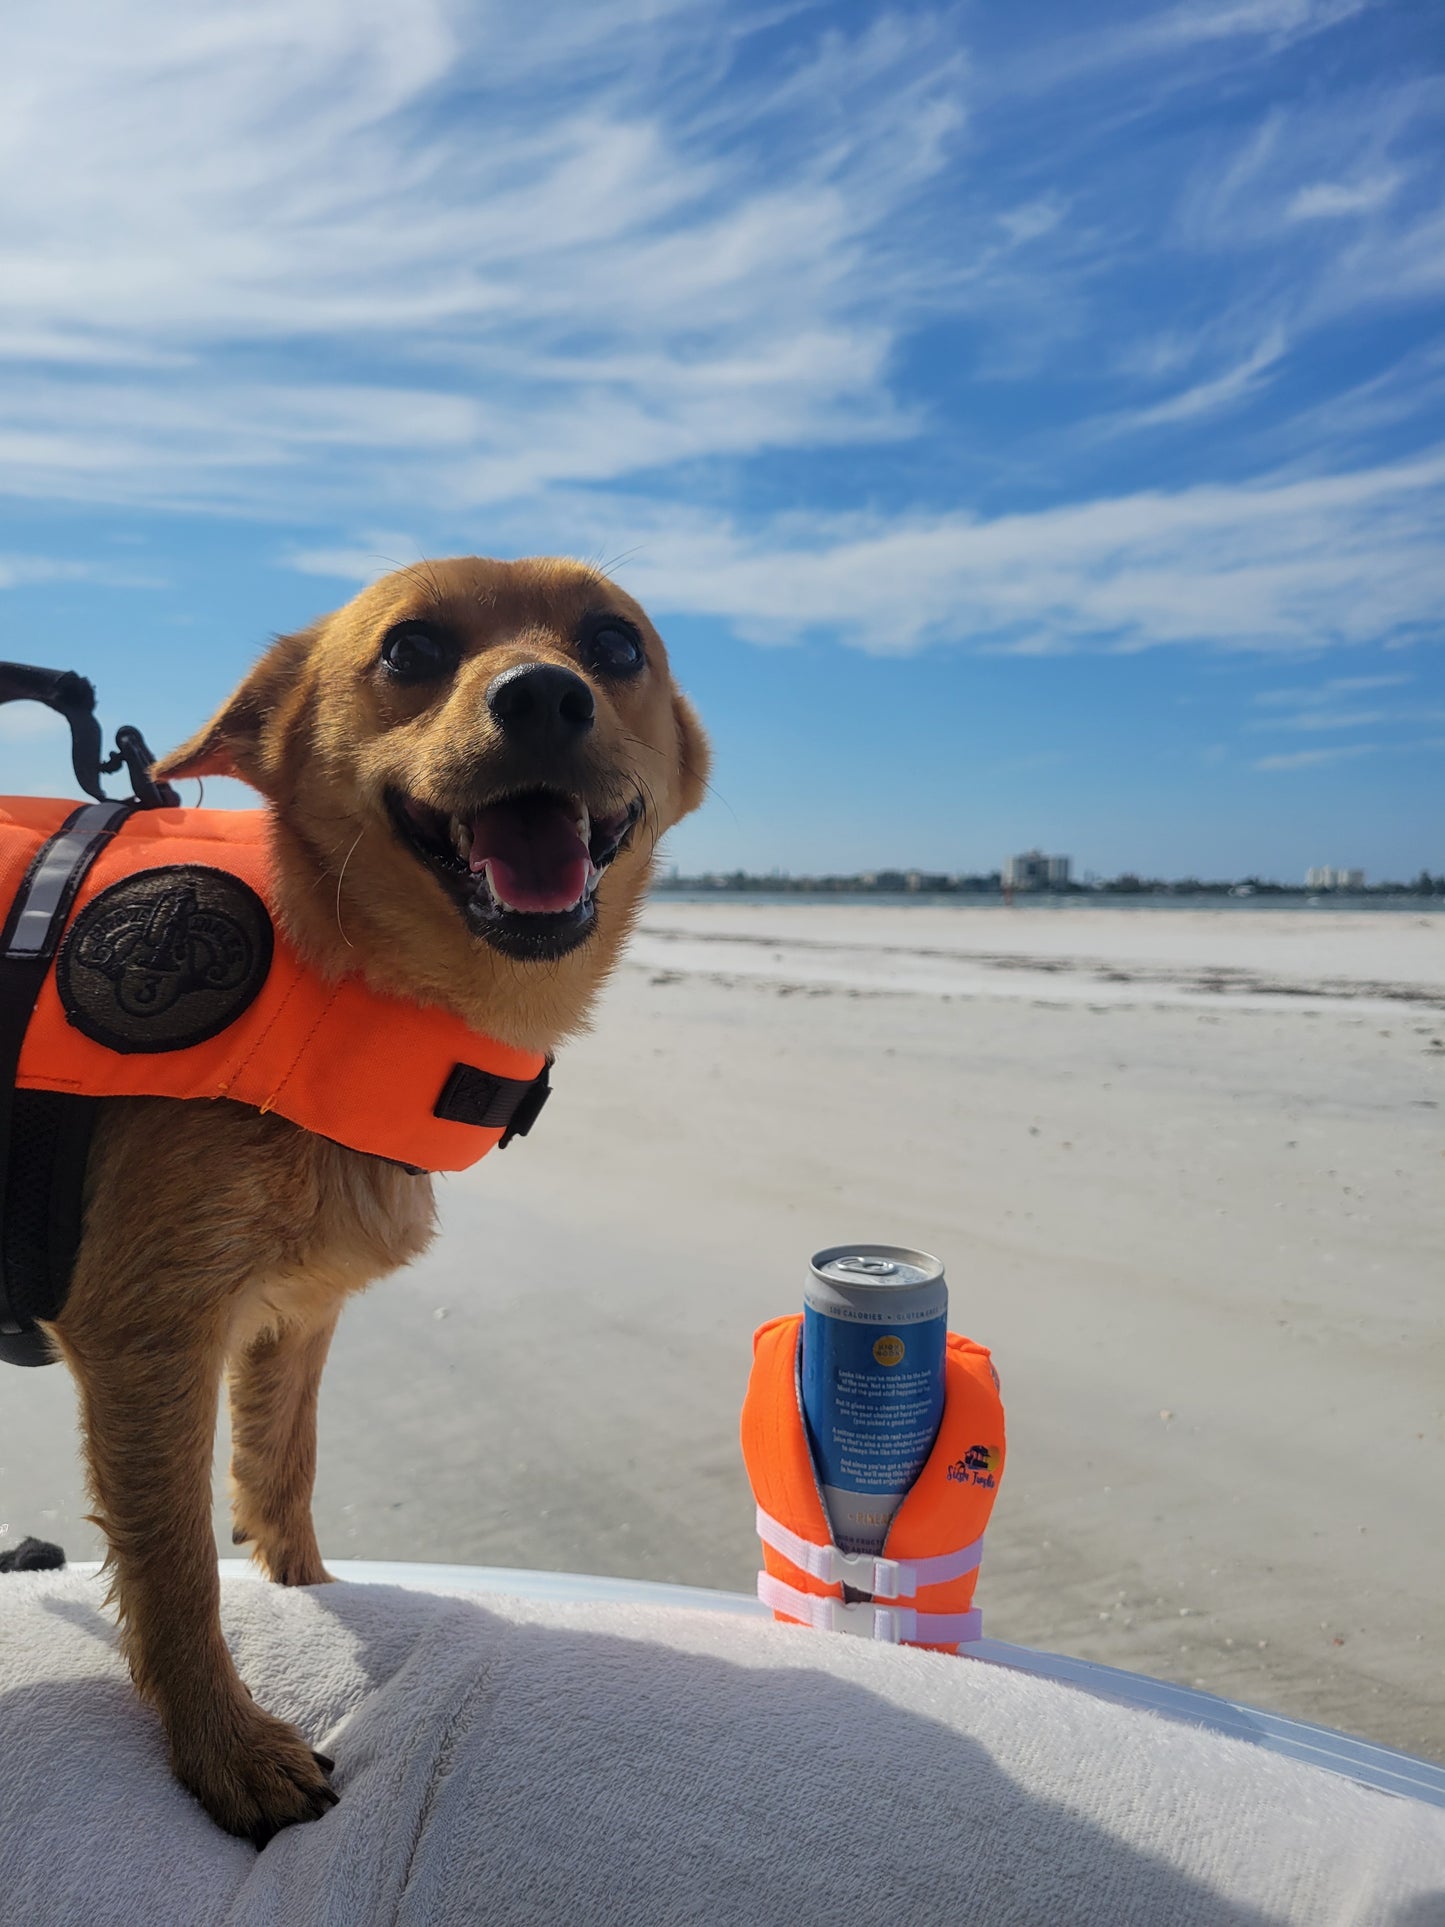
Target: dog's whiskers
x: 340, y: 879
x: 412, y: 570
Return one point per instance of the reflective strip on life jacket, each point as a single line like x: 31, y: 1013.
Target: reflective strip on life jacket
x: 884, y: 1578
x: 919, y: 1589
x: 897, y: 1625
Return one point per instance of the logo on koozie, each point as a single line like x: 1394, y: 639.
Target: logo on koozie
x: 165, y: 958
x: 977, y: 1466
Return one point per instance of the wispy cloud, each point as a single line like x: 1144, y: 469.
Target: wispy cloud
x: 1222, y: 391
x: 1335, y: 200
x: 577, y: 283
x: 24, y: 722
x: 1318, y: 719
x: 1334, y: 197
x: 483, y: 259
x: 18, y: 570
x: 1276, y: 20
x: 1315, y: 758
x: 1328, y: 691
x: 356, y: 565
x: 1163, y: 37
x: 1290, y: 567
x: 25, y: 571
x: 576, y: 280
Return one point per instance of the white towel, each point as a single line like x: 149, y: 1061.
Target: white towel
x: 513, y: 1762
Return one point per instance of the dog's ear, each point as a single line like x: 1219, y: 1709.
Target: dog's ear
x: 237, y: 740
x: 694, y: 757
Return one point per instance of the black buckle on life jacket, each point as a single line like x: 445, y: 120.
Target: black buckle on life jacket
x: 530, y: 1107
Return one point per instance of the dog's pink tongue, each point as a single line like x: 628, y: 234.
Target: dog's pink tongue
x: 537, y: 858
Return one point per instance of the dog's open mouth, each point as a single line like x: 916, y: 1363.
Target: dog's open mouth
x: 524, y: 868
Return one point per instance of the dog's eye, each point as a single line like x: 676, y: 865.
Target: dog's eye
x: 613, y: 647
x: 415, y: 652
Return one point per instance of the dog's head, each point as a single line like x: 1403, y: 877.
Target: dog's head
x: 470, y: 766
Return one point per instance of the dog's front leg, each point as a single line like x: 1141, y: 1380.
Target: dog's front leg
x: 149, y: 1413
x: 274, y: 1382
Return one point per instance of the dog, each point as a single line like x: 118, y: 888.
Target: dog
x: 466, y: 770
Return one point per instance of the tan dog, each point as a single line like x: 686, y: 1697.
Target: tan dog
x: 468, y: 768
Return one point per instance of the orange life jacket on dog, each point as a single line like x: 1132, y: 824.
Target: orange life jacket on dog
x: 142, y: 947
x: 919, y: 1590
x: 172, y: 981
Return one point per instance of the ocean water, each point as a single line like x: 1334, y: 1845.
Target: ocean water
x: 1330, y: 904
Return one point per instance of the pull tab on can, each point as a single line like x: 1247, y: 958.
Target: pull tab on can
x: 874, y: 1324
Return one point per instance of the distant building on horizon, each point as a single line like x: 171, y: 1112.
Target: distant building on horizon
x: 1035, y: 871
x: 1324, y: 877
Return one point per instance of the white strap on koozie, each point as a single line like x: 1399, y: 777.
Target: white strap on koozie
x: 897, y: 1625
x: 884, y: 1578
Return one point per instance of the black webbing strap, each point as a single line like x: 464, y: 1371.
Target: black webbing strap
x: 28, y: 944
x: 510, y: 1105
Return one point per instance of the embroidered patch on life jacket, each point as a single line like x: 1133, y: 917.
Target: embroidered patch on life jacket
x: 165, y: 958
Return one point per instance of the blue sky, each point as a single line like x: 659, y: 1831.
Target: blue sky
x: 1026, y: 423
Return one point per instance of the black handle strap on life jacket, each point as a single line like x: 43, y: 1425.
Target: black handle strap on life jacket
x: 34, y: 1213
x: 73, y: 697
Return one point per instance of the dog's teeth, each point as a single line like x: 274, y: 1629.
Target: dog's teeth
x: 461, y: 838
x: 584, y: 822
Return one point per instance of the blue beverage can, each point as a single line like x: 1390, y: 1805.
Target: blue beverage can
x: 874, y: 1322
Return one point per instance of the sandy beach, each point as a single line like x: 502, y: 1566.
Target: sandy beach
x: 1187, y: 1173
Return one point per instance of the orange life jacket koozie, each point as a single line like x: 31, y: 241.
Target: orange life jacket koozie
x: 919, y: 1590
x: 173, y: 980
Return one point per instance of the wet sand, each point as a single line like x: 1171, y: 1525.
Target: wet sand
x: 1187, y: 1171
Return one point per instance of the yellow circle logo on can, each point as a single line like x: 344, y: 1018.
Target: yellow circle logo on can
x: 888, y: 1351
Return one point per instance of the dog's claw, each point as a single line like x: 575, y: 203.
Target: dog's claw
x: 240, y: 1536
x: 327, y: 1765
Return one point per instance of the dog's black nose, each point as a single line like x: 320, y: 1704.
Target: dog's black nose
x: 540, y: 699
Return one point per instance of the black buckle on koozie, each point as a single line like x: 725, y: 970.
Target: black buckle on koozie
x: 481, y: 1098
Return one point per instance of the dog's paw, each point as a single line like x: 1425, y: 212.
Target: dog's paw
x: 288, y: 1562
x: 292, y: 1565
x: 263, y: 1778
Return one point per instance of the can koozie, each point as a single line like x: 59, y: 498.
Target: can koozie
x: 875, y: 1318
